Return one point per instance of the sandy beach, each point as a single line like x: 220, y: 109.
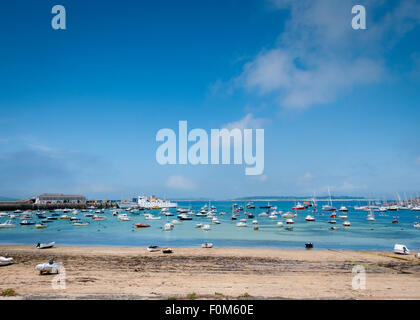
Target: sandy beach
x: 218, y: 273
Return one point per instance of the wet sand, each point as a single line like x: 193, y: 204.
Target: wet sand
x: 218, y: 273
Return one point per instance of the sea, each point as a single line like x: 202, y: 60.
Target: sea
x: 381, y: 234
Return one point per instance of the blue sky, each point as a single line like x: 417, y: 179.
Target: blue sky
x: 80, y: 107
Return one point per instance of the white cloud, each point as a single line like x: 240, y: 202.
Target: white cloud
x: 247, y: 122
x: 180, y: 182
x: 319, y: 57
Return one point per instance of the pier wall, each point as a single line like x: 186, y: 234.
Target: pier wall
x: 12, y: 206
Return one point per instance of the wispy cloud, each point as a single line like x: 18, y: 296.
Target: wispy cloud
x: 319, y: 57
x: 180, y: 182
x: 247, y: 122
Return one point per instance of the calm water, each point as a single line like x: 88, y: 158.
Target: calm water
x: 379, y: 235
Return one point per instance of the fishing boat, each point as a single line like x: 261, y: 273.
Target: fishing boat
x: 299, y: 206
x: 7, y: 224
x: 184, y: 216
x: 26, y: 223
x: 141, y: 225
x: 45, y: 245
x: 48, y: 268
x: 207, y: 245
x: 6, y: 260
x: 309, y: 218
x: 268, y: 206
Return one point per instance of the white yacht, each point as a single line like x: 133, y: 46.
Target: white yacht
x: 153, y: 202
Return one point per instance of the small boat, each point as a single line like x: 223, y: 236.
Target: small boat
x: 332, y: 221
x: 215, y: 220
x: 4, y: 261
x: 7, y: 224
x: 198, y: 225
x: 346, y: 223
x: 123, y: 217
x: 370, y: 217
x: 99, y: 218
x: 80, y: 224
x: 174, y: 222
x: 255, y: 221
x: 46, y: 221
x: 343, y: 209
x: 149, y: 216
x: 45, y: 245
x: 48, y: 268
x: 153, y: 248
x: 288, y: 215
x: 263, y: 214
x: 309, y: 218
x: 309, y: 245
x: 290, y: 221
x: 416, y: 225
x: 141, y: 225
x: 168, y: 227
x: 26, y: 223
x: 206, y: 227
x: 335, y: 228
x: 184, y: 216
x: 299, y: 206
x: 41, y: 226
x: 234, y: 217
x: 343, y: 216
x: 279, y: 224
x: 89, y: 215
x: 207, y: 245
x: 401, y: 249
x: 241, y: 224
x: 255, y: 228
x: 395, y: 221
x: 268, y: 206
x: 64, y: 217
x: 52, y: 218
x: 273, y: 216
x: 167, y: 250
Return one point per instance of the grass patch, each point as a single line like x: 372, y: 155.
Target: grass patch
x: 8, y: 293
x: 218, y: 294
x: 245, y: 295
x: 171, y: 298
x: 192, y: 296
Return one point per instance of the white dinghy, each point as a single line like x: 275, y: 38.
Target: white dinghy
x: 45, y: 245
x: 6, y: 260
x: 49, y: 268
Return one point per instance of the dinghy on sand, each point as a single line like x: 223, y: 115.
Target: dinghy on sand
x: 6, y: 260
x: 45, y: 245
x: 48, y: 268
